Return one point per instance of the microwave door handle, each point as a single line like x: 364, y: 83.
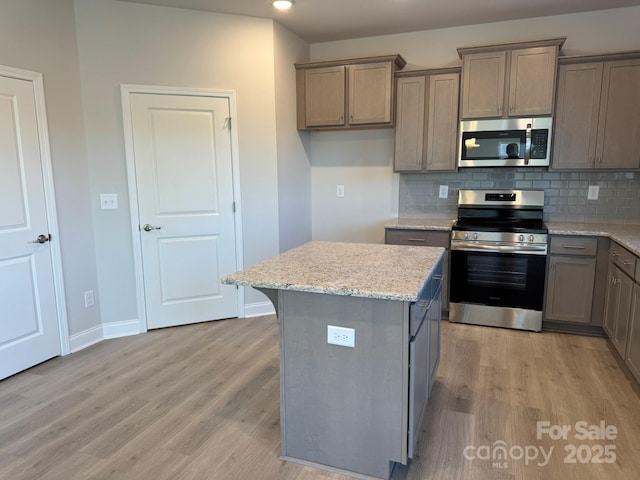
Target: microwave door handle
x: 527, y: 145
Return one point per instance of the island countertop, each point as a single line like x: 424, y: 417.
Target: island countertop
x: 389, y: 272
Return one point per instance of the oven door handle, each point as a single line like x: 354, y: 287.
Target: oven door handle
x: 479, y: 247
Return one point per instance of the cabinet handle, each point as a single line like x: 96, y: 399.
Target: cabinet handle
x: 626, y: 262
x: 598, y: 159
x: 341, y: 118
x: 574, y: 247
x: 499, y: 108
x: 614, y: 254
x: 422, y: 240
x: 511, y: 108
x: 437, y: 277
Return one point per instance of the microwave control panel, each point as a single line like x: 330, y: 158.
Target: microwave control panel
x: 539, y: 143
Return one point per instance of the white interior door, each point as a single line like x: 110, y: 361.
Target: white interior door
x: 182, y: 150
x: 29, y: 331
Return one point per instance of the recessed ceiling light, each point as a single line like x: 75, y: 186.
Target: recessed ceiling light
x: 282, y: 4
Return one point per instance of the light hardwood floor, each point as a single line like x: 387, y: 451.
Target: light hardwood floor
x: 202, y: 402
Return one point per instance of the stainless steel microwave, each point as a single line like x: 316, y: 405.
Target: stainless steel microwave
x: 509, y: 142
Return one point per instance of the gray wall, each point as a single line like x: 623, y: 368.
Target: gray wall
x: 41, y: 36
x: 565, y: 192
x: 294, y: 169
x: 128, y: 43
x: 363, y: 161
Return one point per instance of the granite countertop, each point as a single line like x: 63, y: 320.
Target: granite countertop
x: 422, y: 223
x: 626, y: 235
x: 389, y: 272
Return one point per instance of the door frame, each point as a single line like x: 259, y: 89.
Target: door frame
x: 126, y: 90
x: 36, y: 80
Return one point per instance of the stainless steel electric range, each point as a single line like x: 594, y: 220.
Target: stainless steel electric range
x: 498, y: 259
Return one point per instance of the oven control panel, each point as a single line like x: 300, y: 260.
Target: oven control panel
x: 501, y: 237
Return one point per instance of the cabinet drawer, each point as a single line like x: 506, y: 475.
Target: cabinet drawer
x: 430, y: 238
x: 565, y: 245
x: 623, y: 258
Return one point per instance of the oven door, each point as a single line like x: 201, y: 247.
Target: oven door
x: 498, y: 279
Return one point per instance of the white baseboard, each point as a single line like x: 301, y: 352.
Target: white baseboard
x: 84, y: 339
x: 98, y: 333
x: 121, y: 329
x: 258, y: 309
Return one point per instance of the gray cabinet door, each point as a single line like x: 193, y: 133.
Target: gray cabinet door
x: 442, y: 122
x: 576, y: 120
x: 532, y: 81
x: 570, y: 284
x: 324, y: 96
x: 409, y: 141
x: 611, y: 302
x: 370, y: 93
x: 418, y: 382
x: 618, y: 307
x: 434, y: 318
x: 633, y: 346
x: 625, y: 292
x: 483, y: 76
x: 618, y: 144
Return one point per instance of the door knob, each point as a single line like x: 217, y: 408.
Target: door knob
x: 42, y: 239
x: 148, y: 228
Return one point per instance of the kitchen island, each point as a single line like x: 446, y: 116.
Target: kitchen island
x: 352, y: 399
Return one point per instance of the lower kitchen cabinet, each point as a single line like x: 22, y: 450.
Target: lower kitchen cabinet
x: 618, y: 298
x: 570, y: 288
x: 574, y: 297
x: 425, y: 238
x: 633, y: 347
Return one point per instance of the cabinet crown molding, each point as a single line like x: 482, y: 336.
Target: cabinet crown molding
x: 430, y: 71
x: 550, y: 42
x: 397, y: 59
x: 601, y: 57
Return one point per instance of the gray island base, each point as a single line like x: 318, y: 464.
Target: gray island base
x: 353, y: 410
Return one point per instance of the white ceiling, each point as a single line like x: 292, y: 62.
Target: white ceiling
x: 326, y: 20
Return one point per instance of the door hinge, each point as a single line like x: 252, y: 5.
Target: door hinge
x: 233, y: 206
x: 228, y: 122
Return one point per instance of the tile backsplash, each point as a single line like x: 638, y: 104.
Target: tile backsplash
x: 565, y: 193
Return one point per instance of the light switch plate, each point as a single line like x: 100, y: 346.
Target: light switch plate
x: 340, y: 191
x: 444, y: 191
x: 594, y: 192
x: 109, y: 201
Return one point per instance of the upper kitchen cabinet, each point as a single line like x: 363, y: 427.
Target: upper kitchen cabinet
x: 426, y: 120
x: 597, y: 121
x: 509, y: 80
x: 347, y: 94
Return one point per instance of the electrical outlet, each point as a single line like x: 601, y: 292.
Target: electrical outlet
x: 444, y: 191
x: 345, y: 337
x: 109, y: 201
x: 88, y: 299
x: 340, y: 191
x: 594, y: 191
